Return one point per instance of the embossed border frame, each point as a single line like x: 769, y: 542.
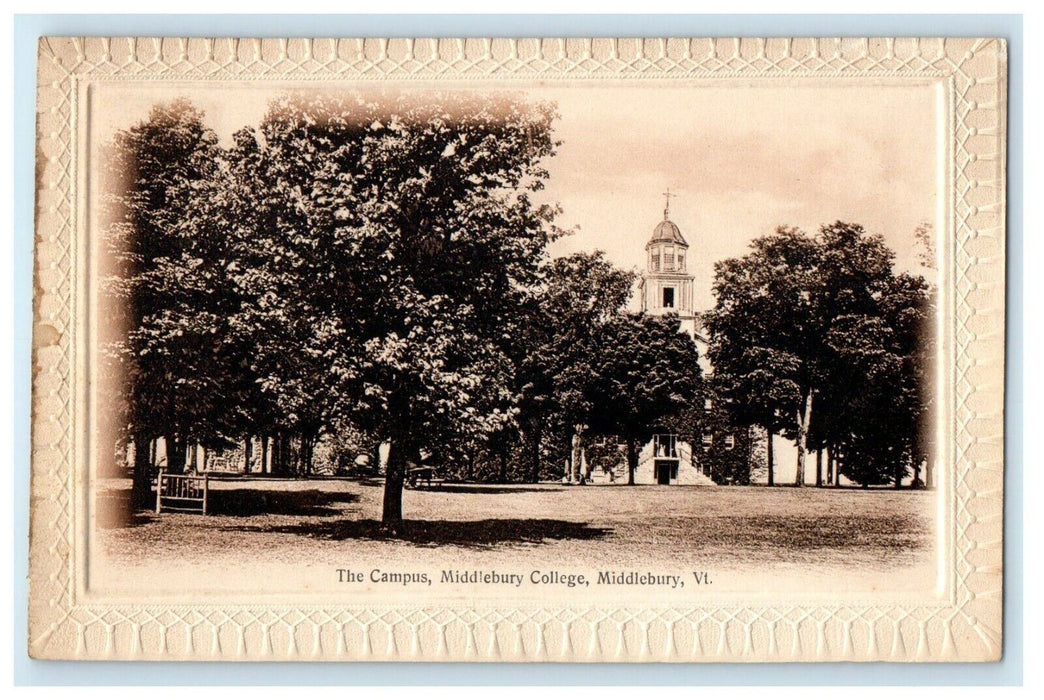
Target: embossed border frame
x: 964, y: 626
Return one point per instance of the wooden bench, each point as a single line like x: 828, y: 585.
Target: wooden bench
x: 185, y: 492
x: 423, y: 476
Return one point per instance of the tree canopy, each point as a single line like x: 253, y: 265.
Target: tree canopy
x: 645, y: 371
x: 372, y: 267
x: 824, y: 321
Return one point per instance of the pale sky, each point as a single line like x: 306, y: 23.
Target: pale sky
x: 742, y: 156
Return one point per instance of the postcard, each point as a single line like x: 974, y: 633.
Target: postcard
x: 665, y: 350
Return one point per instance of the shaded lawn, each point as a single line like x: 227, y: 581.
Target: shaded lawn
x: 315, y: 521
x: 468, y: 533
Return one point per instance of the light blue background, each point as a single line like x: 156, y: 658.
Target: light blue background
x: 27, y: 28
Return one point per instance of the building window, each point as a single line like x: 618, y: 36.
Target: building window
x: 668, y: 297
x: 730, y: 442
x: 665, y: 446
x: 707, y: 441
x: 708, y: 404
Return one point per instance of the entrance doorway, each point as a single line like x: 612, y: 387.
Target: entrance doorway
x: 665, y: 470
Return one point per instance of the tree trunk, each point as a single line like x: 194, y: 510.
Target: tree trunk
x: 575, y: 456
x: 819, y: 467
x: 141, y: 483
x: 748, y: 466
x: 266, y: 456
x: 831, y: 476
x: 771, y: 457
x: 273, y: 464
x: 175, y: 455
x: 293, y: 457
x: 277, y: 454
x: 534, y: 467
x: 803, y: 416
x: 632, y: 460
x: 928, y: 476
x: 283, y: 454
x: 502, y: 456
x: 307, y: 450
x: 398, y: 453
x: 299, y: 456
x: 248, y: 451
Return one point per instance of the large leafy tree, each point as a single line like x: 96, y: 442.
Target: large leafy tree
x: 646, y: 371
x: 293, y: 369
x: 401, y: 242
x: 579, y: 294
x: 881, y: 396
x: 872, y: 323
x: 164, y: 277
x: 763, y: 333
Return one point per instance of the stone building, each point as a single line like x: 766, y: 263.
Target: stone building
x: 667, y: 286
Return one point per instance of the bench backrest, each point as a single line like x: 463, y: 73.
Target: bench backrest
x: 182, y: 491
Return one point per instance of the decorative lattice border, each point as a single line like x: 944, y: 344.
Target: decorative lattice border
x: 966, y: 626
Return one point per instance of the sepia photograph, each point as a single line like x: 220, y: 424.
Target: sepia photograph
x: 357, y: 325
x: 527, y: 344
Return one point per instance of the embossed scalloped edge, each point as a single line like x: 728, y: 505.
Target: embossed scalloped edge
x: 965, y: 627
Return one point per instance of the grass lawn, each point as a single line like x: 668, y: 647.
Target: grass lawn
x: 281, y: 530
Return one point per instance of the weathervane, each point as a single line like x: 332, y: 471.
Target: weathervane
x: 667, y: 209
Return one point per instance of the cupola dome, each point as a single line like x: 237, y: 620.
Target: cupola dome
x: 667, y: 232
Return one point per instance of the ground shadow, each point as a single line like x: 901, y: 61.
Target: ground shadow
x: 432, y: 533
x: 248, y: 502
x: 487, y: 489
x: 116, y: 509
x: 369, y: 481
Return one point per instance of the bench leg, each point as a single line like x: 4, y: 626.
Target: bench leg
x: 159, y: 491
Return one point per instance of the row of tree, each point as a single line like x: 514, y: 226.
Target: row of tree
x: 375, y: 265
x: 372, y: 263
x: 818, y: 338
